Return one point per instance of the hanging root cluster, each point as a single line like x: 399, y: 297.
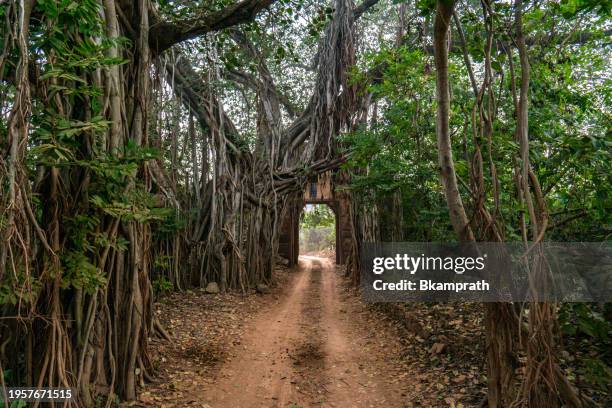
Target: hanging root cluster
x: 242, y: 194
x: 96, y: 210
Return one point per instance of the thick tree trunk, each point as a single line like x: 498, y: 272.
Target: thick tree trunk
x: 499, y: 318
x: 458, y: 217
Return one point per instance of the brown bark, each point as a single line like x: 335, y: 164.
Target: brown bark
x: 499, y: 319
x: 458, y: 217
x: 164, y: 34
x: 97, y: 342
x: 544, y: 384
x: 113, y: 79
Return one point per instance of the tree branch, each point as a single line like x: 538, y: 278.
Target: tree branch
x: 363, y: 7
x: 191, y: 89
x: 164, y: 34
x: 265, y: 81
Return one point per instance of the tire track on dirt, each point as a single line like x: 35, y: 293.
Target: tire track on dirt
x: 353, y: 378
x: 309, y: 352
x: 303, y: 351
x: 263, y: 374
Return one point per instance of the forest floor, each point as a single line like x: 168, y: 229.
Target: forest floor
x: 311, y: 342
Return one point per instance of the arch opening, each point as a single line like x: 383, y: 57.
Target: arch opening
x: 319, y: 193
x: 318, y: 231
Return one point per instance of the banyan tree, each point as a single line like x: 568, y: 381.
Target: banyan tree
x: 84, y: 189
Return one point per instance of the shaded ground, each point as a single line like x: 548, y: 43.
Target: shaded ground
x: 312, y: 343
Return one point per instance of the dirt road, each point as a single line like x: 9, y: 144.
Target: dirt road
x: 303, y: 352
x: 312, y: 342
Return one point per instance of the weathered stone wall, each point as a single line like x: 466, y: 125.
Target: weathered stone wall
x: 318, y: 191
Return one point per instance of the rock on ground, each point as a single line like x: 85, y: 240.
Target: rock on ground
x: 212, y: 287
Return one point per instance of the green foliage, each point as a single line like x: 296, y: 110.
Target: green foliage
x: 73, y: 36
x: 584, y: 320
x: 135, y: 206
x: 21, y: 288
x: 173, y: 222
x: 318, y: 238
x: 426, y: 7
x: 317, y: 228
x: 597, y: 373
x: 68, y: 132
x: 568, y: 127
x: 570, y: 8
x: 56, y: 138
x: 15, y: 404
x: 162, y: 262
x: 7, y: 376
x: 318, y: 215
x: 79, y: 272
x: 399, y: 149
x: 318, y: 23
x: 162, y: 285
x: 588, y: 329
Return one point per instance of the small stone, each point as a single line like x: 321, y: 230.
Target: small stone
x: 261, y: 288
x: 212, y: 287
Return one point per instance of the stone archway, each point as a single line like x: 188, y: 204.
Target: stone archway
x: 318, y: 191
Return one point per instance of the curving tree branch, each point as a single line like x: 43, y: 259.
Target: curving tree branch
x: 363, y: 7
x: 164, y: 35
